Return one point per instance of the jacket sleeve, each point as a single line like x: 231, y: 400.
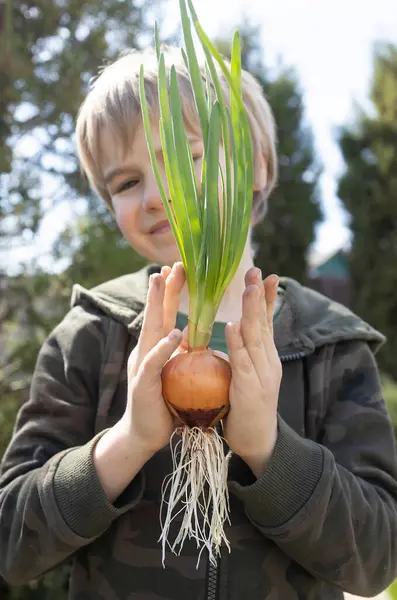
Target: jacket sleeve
x: 331, y: 503
x: 51, y: 500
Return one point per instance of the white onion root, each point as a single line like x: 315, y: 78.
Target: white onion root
x: 197, y: 487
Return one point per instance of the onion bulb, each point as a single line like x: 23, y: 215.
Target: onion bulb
x: 196, y: 387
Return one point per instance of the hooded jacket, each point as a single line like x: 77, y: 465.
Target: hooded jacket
x: 322, y: 518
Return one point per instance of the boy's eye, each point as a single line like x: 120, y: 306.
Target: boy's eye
x: 126, y: 185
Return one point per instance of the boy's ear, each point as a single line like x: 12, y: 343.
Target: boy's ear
x: 260, y: 173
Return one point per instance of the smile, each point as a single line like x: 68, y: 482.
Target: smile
x: 161, y: 228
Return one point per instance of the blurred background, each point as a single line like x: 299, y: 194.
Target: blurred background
x: 329, y: 71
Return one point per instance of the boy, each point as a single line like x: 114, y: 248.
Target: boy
x: 313, y: 477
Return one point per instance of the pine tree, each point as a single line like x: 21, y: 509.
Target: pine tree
x: 368, y: 190
x: 50, y: 50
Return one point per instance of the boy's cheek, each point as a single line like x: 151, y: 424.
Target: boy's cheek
x: 127, y: 228
x: 124, y: 217
x: 117, y: 208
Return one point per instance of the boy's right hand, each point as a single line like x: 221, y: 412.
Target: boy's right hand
x: 147, y: 418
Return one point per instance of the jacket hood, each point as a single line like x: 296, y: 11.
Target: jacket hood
x: 306, y: 320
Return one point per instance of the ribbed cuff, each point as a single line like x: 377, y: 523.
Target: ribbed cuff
x: 291, y: 477
x: 80, y: 497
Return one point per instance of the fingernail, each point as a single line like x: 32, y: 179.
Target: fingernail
x: 172, y: 271
x: 174, y: 335
x: 155, y: 279
x: 177, y: 265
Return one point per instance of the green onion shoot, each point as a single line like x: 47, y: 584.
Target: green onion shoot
x: 210, y: 218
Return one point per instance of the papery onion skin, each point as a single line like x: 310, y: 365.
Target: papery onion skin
x: 196, y: 387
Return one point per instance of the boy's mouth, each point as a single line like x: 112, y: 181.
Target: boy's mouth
x: 160, y: 227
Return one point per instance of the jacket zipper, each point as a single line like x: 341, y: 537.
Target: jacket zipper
x: 213, y: 571
x: 212, y: 580
x: 292, y: 356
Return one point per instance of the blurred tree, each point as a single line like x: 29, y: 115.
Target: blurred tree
x: 283, y: 238
x: 97, y: 249
x: 49, y: 51
x: 368, y: 190
x: 286, y: 234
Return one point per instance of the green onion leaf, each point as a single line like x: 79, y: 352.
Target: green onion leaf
x: 194, y: 71
x: 210, y: 222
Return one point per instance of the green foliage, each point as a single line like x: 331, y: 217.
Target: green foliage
x: 392, y: 591
x: 57, y: 47
x: 9, y: 407
x: 98, y: 252
x: 288, y: 230
x: 390, y: 395
x: 52, y: 586
x: 54, y: 48
x: 210, y: 243
x: 368, y: 190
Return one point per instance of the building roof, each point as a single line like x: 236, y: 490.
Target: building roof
x: 333, y: 264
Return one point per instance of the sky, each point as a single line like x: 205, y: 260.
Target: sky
x: 330, y: 44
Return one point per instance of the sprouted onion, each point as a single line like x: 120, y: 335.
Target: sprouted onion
x: 210, y: 223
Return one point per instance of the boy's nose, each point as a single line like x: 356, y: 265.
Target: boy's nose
x: 151, y: 197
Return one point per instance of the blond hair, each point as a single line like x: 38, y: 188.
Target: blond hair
x: 113, y: 104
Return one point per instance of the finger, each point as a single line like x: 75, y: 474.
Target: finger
x: 165, y: 271
x: 221, y: 355
x: 253, y: 276
x: 173, y: 288
x: 250, y: 321
x: 154, y: 361
x: 152, y: 326
x: 239, y: 359
x: 270, y: 286
x: 254, y: 338
x: 270, y: 289
x: 184, y: 345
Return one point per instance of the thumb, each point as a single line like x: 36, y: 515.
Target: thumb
x: 154, y: 361
x: 184, y: 345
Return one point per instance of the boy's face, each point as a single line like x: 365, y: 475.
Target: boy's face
x: 136, y: 200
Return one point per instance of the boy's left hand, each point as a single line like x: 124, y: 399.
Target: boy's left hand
x: 251, y: 425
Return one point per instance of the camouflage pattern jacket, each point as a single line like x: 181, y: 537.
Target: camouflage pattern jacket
x: 323, y: 518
